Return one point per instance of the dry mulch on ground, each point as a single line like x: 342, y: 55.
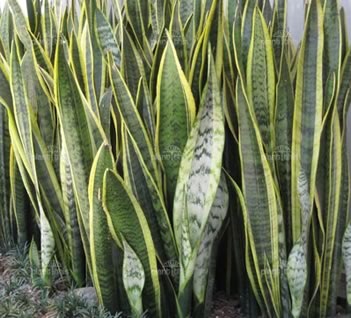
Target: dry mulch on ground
x: 225, y: 307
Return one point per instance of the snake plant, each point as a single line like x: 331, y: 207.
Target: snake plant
x: 165, y: 149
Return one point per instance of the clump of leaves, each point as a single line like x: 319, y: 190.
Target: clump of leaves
x: 24, y: 294
x: 71, y: 305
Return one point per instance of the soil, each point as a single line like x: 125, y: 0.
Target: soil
x: 226, y: 307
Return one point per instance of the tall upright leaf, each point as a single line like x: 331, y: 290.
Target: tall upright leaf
x: 100, y: 240
x: 261, y: 78
x: 307, y: 111
x: 199, y: 177
x: 175, y: 115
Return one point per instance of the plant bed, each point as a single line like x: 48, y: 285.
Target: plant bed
x: 23, y: 295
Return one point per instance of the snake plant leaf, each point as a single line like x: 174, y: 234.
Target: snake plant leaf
x: 159, y: 49
x: 19, y: 201
x: 279, y: 31
x: 197, y: 64
x: 133, y: 121
x: 297, y: 263
x: 32, y: 15
x: 178, y: 37
x: 96, y: 73
x: 332, y: 37
x: 106, y: 37
x: 332, y: 209
x: 77, y: 261
x: 250, y: 262
x: 325, y: 155
x: 185, y: 10
x: 21, y: 108
x: 47, y: 28
x: 47, y: 177
x: 230, y: 10
x: 199, y: 176
x: 47, y: 246
x: 146, y: 109
x: 76, y: 137
x: 37, y: 98
x: 216, y: 217
x: 345, y: 79
x: 133, y: 279
x: 342, y: 222
x: 87, y: 63
x: 346, y: 253
x: 237, y: 44
x: 283, y: 141
x: 259, y: 192
x: 5, y: 150
x: 199, y: 171
x: 21, y: 24
x: 328, y: 153
x: 100, y: 241
x: 267, y: 11
x: 246, y: 29
x: 175, y: 115
x: 75, y: 58
x: 297, y: 277
x: 126, y: 218
x: 6, y: 30
x: 157, y: 8
x: 105, y: 108
x: 307, y: 111
x: 150, y: 199
x: 132, y: 64
x: 34, y: 255
x: 138, y: 16
x: 344, y: 33
x: 261, y: 78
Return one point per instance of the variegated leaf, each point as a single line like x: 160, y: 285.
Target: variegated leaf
x: 175, y: 115
x: 133, y: 279
x: 297, y: 277
x: 216, y: 217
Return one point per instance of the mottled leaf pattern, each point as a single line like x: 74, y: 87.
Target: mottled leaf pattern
x: 297, y: 277
x: 133, y: 279
x: 215, y: 220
